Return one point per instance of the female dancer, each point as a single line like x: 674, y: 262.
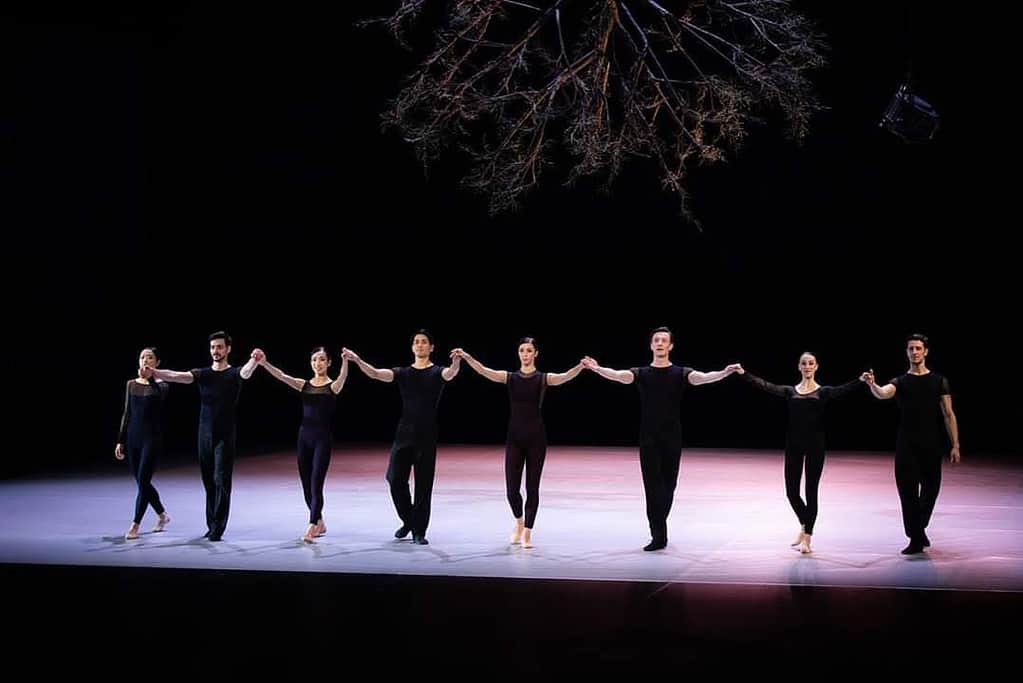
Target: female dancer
x: 526, y: 444
x: 141, y: 438
x: 804, y: 438
x: 315, y: 435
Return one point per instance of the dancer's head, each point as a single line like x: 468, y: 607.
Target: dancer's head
x: 917, y: 346
x: 808, y: 365
x: 149, y: 358
x: 662, y: 341
x: 319, y: 360
x: 422, y: 344
x: 528, y: 351
x: 220, y: 346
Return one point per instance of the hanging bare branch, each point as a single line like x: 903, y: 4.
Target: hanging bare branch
x: 518, y: 83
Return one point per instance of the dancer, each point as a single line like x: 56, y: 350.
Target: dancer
x: 526, y: 443
x: 415, y: 440
x: 804, y: 438
x: 141, y: 439
x: 315, y: 434
x: 661, y: 387
x: 219, y: 388
x: 922, y: 396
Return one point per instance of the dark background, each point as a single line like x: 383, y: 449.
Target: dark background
x: 181, y: 169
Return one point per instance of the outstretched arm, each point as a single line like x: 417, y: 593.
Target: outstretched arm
x: 697, y: 377
x: 168, y: 375
x: 500, y: 376
x: 763, y: 384
x: 847, y: 388
x: 885, y: 392
x: 380, y: 374
x: 623, y: 376
x: 293, y: 382
x: 556, y: 378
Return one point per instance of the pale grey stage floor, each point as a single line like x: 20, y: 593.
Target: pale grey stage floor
x: 730, y: 522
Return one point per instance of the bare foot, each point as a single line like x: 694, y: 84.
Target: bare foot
x: 310, y: 534
x: 804, y: 546
x: 527, y: 538
x: 132, y: 533
x: 161, y: 522
x: 516, y: 534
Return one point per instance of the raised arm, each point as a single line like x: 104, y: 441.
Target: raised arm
x: 697, y: 377
x: 556, y: 378
x: 380, y: 374
x: 623, y: 376
x: 885, y: 392
x: 253, y: 362
x: 339, y: 383
x: 292, y: 382
x: 499, y: 376
x: 451, y: 371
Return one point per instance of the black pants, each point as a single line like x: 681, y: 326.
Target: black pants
x: 141, y: 461
x: 796, y: 453
x: 527, y: 451
x: 659, y: 459
x: 918, y: 478
x: 314, y: 448
x: 418, y: 450
x: 216, y: 463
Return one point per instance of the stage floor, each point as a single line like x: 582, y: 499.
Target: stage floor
x: 730, y: 523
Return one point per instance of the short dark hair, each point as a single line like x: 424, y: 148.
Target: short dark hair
x: 671, y: 335
x: 425, y: 333
x: 152, y: 349
x: 922, y: 338
x: 529, y: 340
x: 221, y: 335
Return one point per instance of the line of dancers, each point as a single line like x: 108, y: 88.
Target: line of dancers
x: 923, y: 396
